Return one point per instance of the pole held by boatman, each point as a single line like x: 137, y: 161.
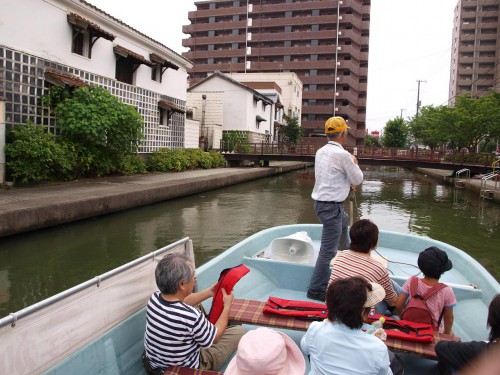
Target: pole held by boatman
x: 336, y: 171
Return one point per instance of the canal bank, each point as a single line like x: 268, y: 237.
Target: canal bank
x: 42, y: 206
x: 469, y: 184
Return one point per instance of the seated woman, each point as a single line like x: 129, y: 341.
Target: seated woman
x: 453, y: 356
x: 337, y: 345
x: 357, y: 261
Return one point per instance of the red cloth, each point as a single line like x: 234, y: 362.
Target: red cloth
x: 405, y: 330
x: 227, y: 280
x: 298, y: 309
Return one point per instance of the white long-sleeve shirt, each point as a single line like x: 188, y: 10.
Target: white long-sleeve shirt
x: 335, y: 172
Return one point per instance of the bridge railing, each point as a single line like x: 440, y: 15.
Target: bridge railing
x: 416, y: 154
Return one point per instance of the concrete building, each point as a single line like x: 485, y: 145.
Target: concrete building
x: 220, y: 102
x: 72, y: 43
x: 475, y: 53
x: 324, y: 42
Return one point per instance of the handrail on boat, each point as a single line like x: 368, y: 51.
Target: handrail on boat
x: 13, y: 317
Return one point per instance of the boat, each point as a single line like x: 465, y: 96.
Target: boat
x: 98, y: 327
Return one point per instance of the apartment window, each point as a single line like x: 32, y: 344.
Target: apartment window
x: 211, y: 33
x: 312, y: 87
x: 314, y: 27
x: 211, y: 47
x: 313, y: 72
x: 211, y: 19
x: 236, y: 4
x: 288, y: 14
x: 234, y: 60
x: 314, y: 42
x: 235, y: 46
x: 288, y: 29
x: 236, y: 17
x: 235, y: 32
x: 315, y: 12
x: 287, y: 43
x: 314, y: 58
x: 287, y: 58
x: 210, y: 60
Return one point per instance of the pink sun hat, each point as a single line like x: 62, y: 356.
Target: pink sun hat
x: 264, y: 351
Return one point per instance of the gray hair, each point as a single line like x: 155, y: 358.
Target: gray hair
x: 335, y: 135
x: 172, y: 269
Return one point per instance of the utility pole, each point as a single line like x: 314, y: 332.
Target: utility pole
x: 339, y: 3
x: 418, y: 94
x: 402, y: 109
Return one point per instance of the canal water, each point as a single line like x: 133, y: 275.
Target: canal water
x: 36, y: 265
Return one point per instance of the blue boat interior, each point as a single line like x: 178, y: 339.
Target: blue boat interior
x: 119, y: 350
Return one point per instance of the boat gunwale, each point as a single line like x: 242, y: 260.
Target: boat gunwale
x: 12, y: 318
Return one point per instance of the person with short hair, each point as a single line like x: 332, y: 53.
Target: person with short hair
x: 433, y: 262
x: 337, y: 345
x: 454, y: 356
x: 178, y: 334
x: 357, y: 261
x: 336, y: 171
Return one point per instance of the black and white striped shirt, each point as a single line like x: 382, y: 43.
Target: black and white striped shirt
x: 175, y: 332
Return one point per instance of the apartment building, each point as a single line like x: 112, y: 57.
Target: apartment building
x: 475, y: 53
x: 324, y: 42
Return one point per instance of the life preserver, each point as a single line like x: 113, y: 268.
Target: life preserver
x: 298, y: 309
x: 404, y: 329
x: 227, y: 279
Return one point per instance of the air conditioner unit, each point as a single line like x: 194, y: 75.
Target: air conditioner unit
x: 249, y: 64
x: 249, y: 36
x: 249, y: 22
x: 250, y: 8
x: 249, y: 51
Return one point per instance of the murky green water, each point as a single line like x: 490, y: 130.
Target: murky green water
x: 36, y: 265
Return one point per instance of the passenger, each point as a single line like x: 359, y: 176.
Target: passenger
x: 176, y: 332
x: 433, y: 262
x: 454, y: 356
x: 336, y: 171
x: 337, y: 345
x: 264, y: 351
x: 357, y: 261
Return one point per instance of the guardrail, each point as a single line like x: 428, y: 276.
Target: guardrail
x: 414, y: 154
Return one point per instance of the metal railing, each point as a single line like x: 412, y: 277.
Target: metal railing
x: 415, y: 154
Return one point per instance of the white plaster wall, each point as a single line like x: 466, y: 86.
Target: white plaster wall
x: 191, y: 133
x: 290, y: 84
x: 239, y: 107
x: 40, y: 27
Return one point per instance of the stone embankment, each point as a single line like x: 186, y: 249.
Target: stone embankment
x: 25, y: 209
x: 469, y: 184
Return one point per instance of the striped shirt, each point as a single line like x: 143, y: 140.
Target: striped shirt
x: 334, y: 172
x: 349, y: 263
x: 175, y: 332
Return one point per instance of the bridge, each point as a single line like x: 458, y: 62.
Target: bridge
x: 478, y: 163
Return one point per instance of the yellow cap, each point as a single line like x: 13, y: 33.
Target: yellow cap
x: 335, y: 125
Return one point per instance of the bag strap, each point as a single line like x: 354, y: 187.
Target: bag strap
x: 440, y: 318
x: 414, y: 286
x: 436, y: 288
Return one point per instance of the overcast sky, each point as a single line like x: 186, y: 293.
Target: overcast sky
x: 409, y: 41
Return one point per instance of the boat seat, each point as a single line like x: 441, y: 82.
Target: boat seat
x: 179, y: 370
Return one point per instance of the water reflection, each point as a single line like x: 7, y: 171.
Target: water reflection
x: 35, y: 265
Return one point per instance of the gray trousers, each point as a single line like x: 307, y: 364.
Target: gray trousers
x: 334, y: 236
x: 218, y: 354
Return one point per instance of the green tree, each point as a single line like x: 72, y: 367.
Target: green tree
x: 432, y: 126
x: 395, y: 133
x: 101, y: 128
x: 292, y: 132
x: 371, y: 141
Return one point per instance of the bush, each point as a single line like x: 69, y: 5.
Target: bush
x: 132, y: 164
x: 167, y: 160
x: 35, y: 155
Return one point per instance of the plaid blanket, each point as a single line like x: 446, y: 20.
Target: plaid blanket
x: 178, y: 370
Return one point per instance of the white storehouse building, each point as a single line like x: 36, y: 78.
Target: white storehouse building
x: 222, y: 104
x: 73, y: 43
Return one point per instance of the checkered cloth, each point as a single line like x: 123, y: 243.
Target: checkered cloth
x: 178, y: 370
x: 250, y: 312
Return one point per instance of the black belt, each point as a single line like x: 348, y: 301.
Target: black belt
x: 331, y: 202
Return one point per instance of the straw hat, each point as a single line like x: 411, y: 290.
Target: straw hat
x: 375, y: 296
x: 264, y: 351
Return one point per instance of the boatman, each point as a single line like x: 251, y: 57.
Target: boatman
x: 336, y: 171
x: 178, y: 334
